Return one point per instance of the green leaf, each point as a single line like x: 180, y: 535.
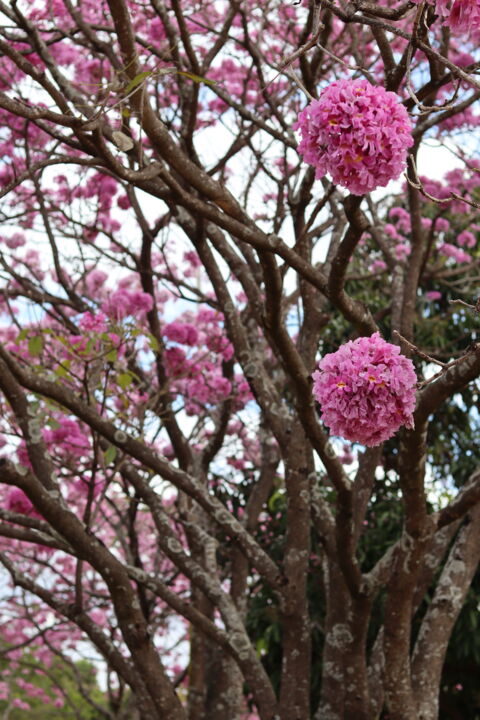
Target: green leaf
x: 137, y: 80
x: 110, y: 454
x: 124, y: 380
x: 261, y: 646
x: 88, y: 347
x: 153, y: 343
x: 35, y: 345
x: 274, y: 500
x: 61, y: 371
x: 111, y: 356
x: 197, y: 78
x: 22, y: 335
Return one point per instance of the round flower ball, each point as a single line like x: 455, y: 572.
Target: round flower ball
x: 366, y: 390
x: 357, y: 132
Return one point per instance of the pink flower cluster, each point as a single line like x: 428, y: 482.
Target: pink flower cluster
x: 466, y: 239
x: 184, y: 333
x: 68, y: 438
x: 358, y: 133
x: 457, y: 254
x: 93, y: 323
x: 366, y: 390
x: 464, y: 16
x: 18, y: 502
x: 123, y: 302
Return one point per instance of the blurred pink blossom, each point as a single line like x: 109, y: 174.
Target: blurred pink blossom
x: 466, y: 239
x: 464, y: 16
x: 95, y: 323
x: 457, y: 254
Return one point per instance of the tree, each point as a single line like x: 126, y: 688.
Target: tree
x: 238, y: 358
x: 68, y: 690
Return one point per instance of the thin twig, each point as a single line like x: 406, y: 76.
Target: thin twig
x: 424, y: 356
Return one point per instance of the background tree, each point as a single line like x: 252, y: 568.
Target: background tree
x: 200, y: 201
x: 68, y: 690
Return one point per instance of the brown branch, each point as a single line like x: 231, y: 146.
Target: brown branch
x: 466, y: 499
x: 358, y: 315
x: 443, y: 610
x: 150, y: 459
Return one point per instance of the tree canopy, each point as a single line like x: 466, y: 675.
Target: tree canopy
x: 238, y: 358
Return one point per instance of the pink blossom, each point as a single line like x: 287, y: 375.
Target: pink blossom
x: 123, y: 302
x: 182, y: 333
x: 156, y: 31
x: 378, y: 266
x: 123, y: 202
x: 192, y: 258
x: 95, y: 323
x: 237, y: 463
x: 78, y: 342
x: 94, y: 281
x: 79, y: 488
x: 20, y: 704
x: 347, y: 457
x: 205, y: 315
x: 467, y: 239
x: 366, y: 390
x: 140, y: 302
x: 465, y: 117
x: 403, y: 218
x: 402, y: 251
x: 442, y: 225
x: 15, y: 241
x: 69, y: 436
x: 221, y: 386
x: 176, y: 361
x: 433, y: 295
x: 462, y: 59
x: 451, y: 251
x: 391, y: 230
x: 464, y: 16
x: 18, y: 502
x: 220, y: 344
x: 358, y: 133
x: 198, y: 390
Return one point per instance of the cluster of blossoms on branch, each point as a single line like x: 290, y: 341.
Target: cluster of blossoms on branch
x: 366, y: 390
x: 462, y: 16
x: 161, y: 400
x: 358, y: 133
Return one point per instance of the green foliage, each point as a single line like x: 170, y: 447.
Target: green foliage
x: 58, y: 676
